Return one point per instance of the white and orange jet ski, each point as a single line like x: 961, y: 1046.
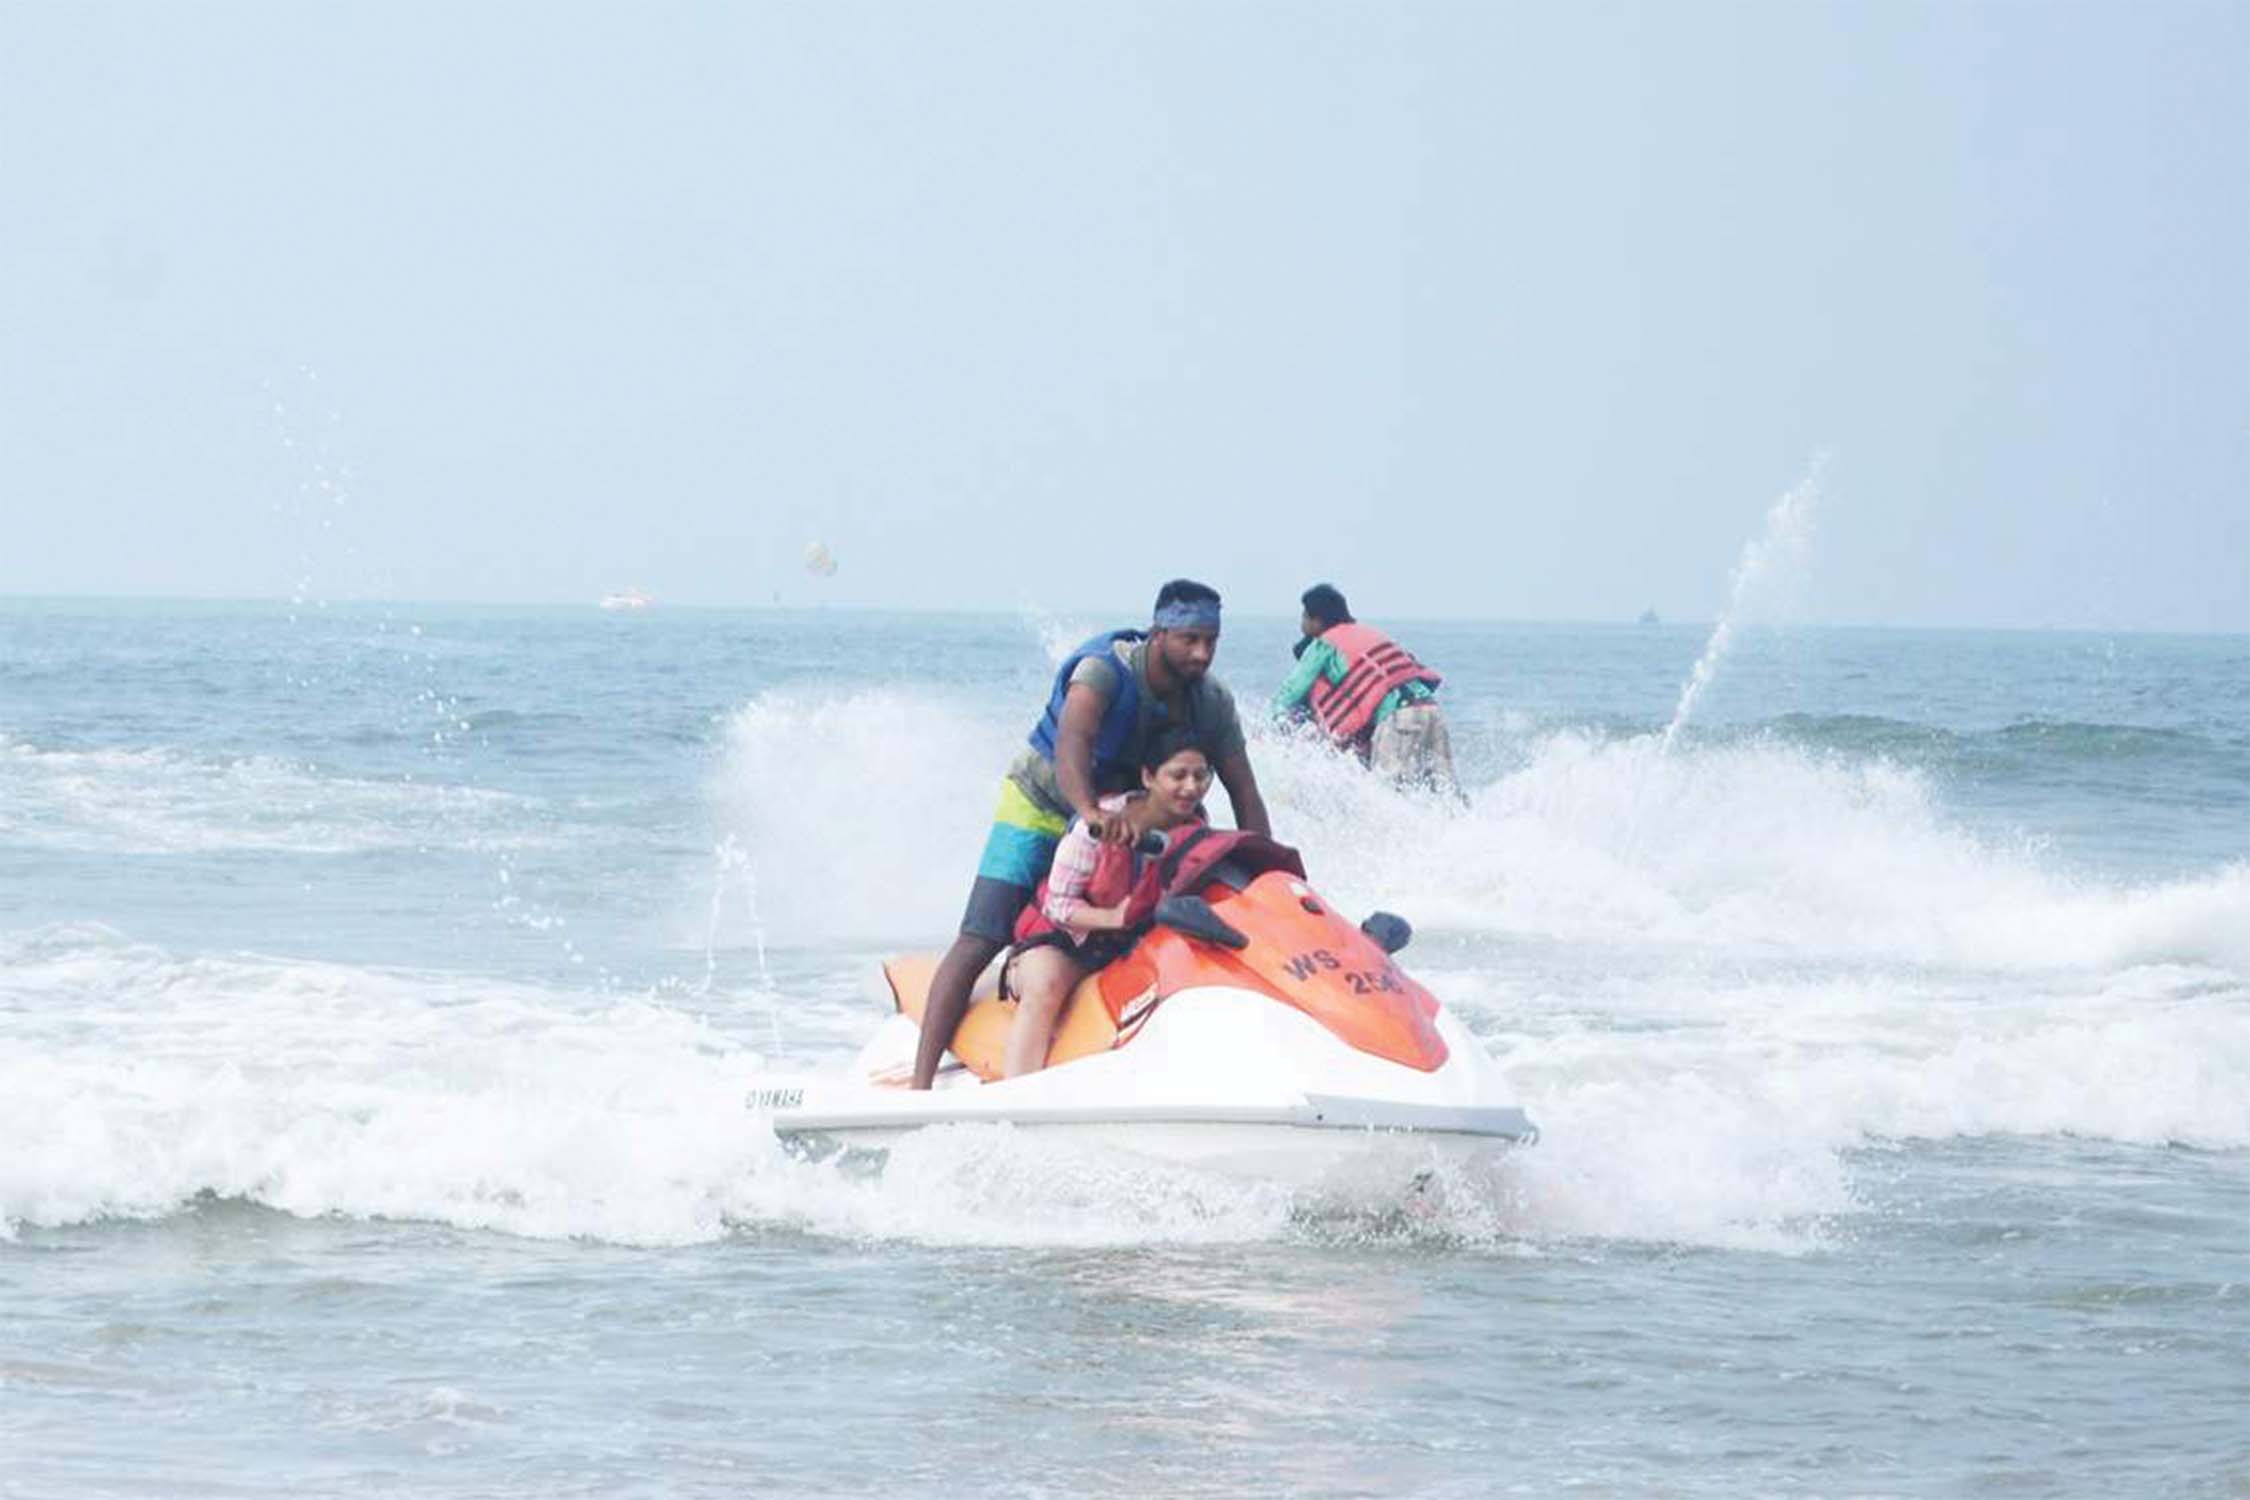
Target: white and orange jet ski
x: 1252, y: 1031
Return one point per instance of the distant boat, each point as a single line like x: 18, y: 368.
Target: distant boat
x: 629, y: 599
x: 1648, y: 617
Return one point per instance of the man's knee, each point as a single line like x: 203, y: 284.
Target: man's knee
x: 972, y: 948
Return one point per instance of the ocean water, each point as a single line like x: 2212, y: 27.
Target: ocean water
x: 378, y: 986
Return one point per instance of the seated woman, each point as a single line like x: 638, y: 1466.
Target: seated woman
x: 1086, y: 915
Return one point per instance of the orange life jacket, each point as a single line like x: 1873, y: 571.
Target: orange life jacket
x: 1374, y: 666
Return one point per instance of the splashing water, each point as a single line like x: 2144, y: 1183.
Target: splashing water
x: 1058, y: 634
x: 306, y: 427
x: 1788, y: 528
x: 731, y: 863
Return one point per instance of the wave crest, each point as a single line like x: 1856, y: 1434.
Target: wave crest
x: 167, y: 801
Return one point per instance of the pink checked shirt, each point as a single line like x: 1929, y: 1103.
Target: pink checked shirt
x: 1073, y: 869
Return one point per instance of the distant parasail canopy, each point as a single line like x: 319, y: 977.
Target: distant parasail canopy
x: 819, y: 561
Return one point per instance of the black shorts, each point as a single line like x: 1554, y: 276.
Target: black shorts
x: 1099, y: 951
x: 993, y: 908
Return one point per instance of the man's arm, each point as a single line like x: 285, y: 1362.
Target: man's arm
x: 1242, y: 790
x: 1318, y: 654
x: 1083, y: 707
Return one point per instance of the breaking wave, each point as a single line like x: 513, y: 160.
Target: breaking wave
x: 864, y: 813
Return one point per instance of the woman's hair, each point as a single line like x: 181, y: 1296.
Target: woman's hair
x: 1168, y: 742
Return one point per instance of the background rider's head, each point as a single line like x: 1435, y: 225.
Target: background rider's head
x: 1324, y: 606
x: 1176, y: 773
x: 1183, y: 631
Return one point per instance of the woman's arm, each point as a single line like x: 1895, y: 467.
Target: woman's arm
x: 1099, y: 918
x: 1068, y: 877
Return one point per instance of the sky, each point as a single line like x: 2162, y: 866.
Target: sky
x: 1517, y: 311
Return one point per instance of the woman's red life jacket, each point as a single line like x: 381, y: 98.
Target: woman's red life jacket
x: 1192, y: 857
x: 1119, y: 875
x: 1374, y: 665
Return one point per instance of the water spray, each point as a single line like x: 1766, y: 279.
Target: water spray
x: 730, y: 859
x: 1788, y: 528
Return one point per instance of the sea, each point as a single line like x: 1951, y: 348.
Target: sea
x: 380, y: 984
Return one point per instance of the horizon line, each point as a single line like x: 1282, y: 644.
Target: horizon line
x: 855, y: 607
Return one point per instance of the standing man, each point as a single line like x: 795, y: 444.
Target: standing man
x: 1110, y: 697
x: 1369, y: 695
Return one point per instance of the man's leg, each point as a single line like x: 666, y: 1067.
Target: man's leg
x: 1017, y: 853
x: 1386, y: 749
x: 1440, y: 743
x: 1413, y: 749
x: 947, y: 999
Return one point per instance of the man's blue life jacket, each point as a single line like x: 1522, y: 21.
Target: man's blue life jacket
x: 1113, y: 741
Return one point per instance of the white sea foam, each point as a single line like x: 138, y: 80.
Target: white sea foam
x: 1058, y: 635
x: 1761, y: 848
x: 168, y: 801
x: 132, y: 1081
x: 997, y: 1185
x: 1707, y: 1111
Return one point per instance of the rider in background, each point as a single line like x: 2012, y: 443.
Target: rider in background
x: 1369, y: 695
x: 1110, y: 697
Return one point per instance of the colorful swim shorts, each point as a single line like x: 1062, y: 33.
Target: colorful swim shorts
x: 1017, y: 853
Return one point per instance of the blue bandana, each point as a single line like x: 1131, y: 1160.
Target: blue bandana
x: 1183, y: 614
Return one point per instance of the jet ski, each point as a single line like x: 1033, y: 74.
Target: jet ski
x: 1252, y: 1031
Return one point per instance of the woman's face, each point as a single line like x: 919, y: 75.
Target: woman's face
x: 1176, y: 788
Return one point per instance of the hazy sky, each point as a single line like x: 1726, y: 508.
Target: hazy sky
x: 1516, y: 310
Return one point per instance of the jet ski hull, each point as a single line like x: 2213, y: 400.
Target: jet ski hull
x: 1330, y: 1168
x: 1219, y: 1080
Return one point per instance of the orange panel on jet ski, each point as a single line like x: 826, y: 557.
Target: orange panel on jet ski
x: 981, y: 1040
x: 1306, y: 955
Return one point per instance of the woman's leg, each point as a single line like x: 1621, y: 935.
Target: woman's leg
x: 1042, y: 979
